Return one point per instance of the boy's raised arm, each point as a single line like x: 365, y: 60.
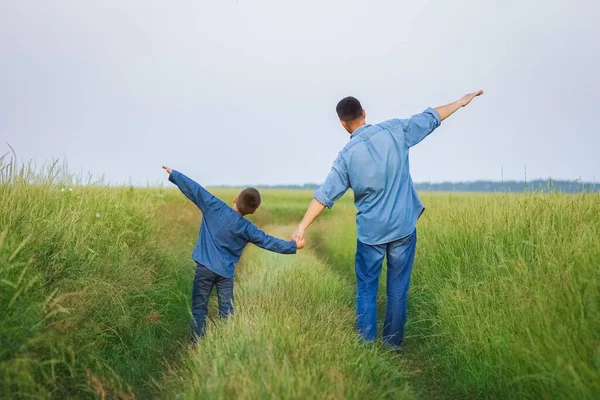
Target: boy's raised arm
x: 192, y: 190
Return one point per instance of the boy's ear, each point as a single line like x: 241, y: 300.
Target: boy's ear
x: 235, y: 200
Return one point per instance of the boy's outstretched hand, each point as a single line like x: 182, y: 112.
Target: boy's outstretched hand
x: 169, y: 170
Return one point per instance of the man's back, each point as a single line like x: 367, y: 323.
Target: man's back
x: 375, y: 165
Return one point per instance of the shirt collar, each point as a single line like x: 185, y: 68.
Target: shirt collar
x: 358, y: 130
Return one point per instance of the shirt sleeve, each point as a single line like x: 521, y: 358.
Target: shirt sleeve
x: 195, y: 192
x: 336, y: 184
x: 267, y: 242
x: 419, y: 126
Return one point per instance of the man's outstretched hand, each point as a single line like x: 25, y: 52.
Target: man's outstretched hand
x: 169, y: 170
x: 468, y: 97
x: 449, y: 109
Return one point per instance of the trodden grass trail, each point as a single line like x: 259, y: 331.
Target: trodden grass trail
x: 291, y: 337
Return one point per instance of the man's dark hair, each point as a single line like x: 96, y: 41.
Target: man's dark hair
x: 248, y: 201
x: 349, y: 108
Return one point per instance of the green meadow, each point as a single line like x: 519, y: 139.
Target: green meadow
x: 95, y: 284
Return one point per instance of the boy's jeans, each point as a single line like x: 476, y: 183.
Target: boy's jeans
x: 369, y: 259
x: 204, y: 280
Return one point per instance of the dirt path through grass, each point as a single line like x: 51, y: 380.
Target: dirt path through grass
x: 291, y: 337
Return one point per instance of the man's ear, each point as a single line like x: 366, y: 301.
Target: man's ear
x: 364, y: 114
x: 235, y: 200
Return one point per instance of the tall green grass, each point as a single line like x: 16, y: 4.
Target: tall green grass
x: 95, y: 283
x: 504, y: 300
x: 93, y: 293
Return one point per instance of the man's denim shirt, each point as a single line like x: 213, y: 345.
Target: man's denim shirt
x: 375, y: 165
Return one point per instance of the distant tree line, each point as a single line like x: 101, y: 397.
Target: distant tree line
x: 539, y: 185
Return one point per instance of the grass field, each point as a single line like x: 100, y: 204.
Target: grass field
x: 95, y: 285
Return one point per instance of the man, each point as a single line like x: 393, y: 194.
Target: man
x: 375, y: 165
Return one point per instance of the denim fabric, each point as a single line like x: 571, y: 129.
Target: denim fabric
x: 368, y: 263
x: 224, y: 233
x: 375, y: 165
x: 204, y: 280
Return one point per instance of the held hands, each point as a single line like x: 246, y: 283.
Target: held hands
x: 468, y: 97
x: 298, y: 237
x: 299, y: 243
x: 169, y: 170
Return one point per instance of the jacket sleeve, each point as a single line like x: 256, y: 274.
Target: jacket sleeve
x: 195, y: 192
x: 267, y: 242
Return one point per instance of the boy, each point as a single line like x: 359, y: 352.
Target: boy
x: 223, y: 235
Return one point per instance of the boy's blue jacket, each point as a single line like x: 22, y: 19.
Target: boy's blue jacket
x: 224, y: 232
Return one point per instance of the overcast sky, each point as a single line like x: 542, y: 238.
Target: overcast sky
x: 244, y: 92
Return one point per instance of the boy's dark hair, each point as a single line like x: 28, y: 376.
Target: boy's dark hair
x: 248, y: 201
x: 348, y: 109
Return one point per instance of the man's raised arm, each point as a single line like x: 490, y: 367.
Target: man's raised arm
x: 449, y: 109
x: 419, y: 126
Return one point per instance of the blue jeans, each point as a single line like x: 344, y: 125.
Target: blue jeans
x: 369, y: 259
x: 204, y: 280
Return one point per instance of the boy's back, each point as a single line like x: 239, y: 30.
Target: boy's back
x: 224, y: 233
